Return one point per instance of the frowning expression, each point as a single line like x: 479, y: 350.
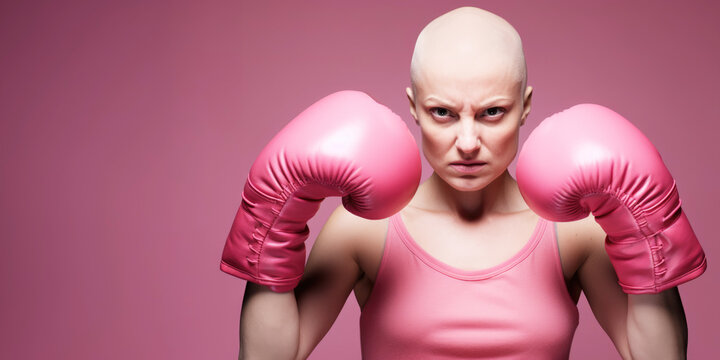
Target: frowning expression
x: 470, y: 124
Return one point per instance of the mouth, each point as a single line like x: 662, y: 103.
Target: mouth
x: 467, y: 167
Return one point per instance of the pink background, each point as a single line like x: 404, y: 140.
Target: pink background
x: 127, y: 131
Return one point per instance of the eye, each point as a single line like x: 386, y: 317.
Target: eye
x: 441, y: 113
x: 494, y: 112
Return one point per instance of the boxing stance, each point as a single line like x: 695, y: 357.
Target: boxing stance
x: 465, y: 269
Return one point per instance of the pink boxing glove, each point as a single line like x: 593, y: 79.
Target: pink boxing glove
x: 590, y: 159
x: 345, y: 145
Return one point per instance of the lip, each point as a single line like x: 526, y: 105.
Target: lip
x: 467, y: 167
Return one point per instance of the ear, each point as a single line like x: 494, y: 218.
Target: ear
x: 411, y: 99
x: 527, y: 104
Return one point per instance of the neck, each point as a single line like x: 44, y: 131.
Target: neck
x: 501, y: 196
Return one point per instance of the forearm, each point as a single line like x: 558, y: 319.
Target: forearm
x: 656, y: 326
x: 269, y: 325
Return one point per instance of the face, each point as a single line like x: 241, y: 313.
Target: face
x: 470, y: 124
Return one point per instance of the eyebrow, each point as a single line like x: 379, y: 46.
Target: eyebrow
x: 439, y: 100
x: 485, y: 103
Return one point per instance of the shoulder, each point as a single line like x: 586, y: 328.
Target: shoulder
x: 584, y: 241
x: 353, y: 236
x: 349, y: 228
x: 577, y: 242
x: 584, y: 232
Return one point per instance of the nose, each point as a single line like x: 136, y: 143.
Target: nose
x: 468, y: 140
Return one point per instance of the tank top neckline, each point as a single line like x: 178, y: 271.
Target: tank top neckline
x: 461, y: 274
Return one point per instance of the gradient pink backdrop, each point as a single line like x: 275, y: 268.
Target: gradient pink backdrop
x: 128, y: 128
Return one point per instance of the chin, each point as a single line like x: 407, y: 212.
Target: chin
x: 467, y: 184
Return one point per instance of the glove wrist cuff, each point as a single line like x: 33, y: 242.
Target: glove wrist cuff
x: 659, y: 262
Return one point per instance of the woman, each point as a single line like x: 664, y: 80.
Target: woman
x: 466, y: 269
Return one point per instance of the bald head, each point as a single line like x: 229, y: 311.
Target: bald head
x: 465, y: 43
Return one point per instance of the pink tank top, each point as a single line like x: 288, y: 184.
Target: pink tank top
x: 421, y: 308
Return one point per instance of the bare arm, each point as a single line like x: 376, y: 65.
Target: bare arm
x: 289, y: 325
x: 657, y: 328
x: 648, y: 326
x: 268, y: 324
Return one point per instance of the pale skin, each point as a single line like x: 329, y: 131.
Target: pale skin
x: 469, y: 98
